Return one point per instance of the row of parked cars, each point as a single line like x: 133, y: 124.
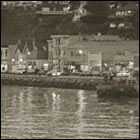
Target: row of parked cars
x: 95, y: 73
x: 75, y: 73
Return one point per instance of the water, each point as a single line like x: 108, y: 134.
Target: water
x: 49, y: 113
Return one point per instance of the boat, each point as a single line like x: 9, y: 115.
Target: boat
x: 118, y: 90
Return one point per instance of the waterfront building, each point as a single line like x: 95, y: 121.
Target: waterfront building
x: 4, y: 58
x: 8, y: 47
x: 95, y: 52
x: 32, y: 54
x: 58, y: 46
x: 36, y: 54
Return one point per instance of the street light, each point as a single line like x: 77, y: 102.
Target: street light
x: 13, y: 60
x: 80, y: 52
x: 28, y: 53
x: 129, y: 11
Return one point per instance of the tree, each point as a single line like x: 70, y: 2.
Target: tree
x: 74, y: 5
x: 98, y: 16
x: 135, y: 23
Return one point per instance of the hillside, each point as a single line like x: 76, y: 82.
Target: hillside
x: 23, y: 24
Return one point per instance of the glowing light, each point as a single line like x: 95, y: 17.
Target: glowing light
x: 13, y: 60
x: 21, y: 60
x: 129, y: 11
x: 80, y: 51
x: 28, y: 53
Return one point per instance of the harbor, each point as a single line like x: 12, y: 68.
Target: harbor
x: 48, y: 113
x: 69, y: 69
x: 104, y: 88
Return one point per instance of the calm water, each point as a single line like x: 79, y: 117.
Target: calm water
x: 29, y: 112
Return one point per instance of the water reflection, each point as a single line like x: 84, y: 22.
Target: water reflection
x: 81, y: 112
x: 29, y: 112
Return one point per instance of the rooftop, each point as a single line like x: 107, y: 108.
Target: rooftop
x: 106, y: 47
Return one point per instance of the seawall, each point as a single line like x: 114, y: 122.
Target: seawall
x: 47, y: 81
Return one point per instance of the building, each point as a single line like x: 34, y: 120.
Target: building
x: 30, y: 54
x: 20, y: 3
x: 91, y: 53
x: 4, y: 58
x: 80, y: 11
x: 120, y: 17
x: 8, y: 47
x: 58, y: 46
x: 54, y: 8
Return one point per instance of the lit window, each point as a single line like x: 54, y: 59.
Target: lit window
x: 112, y: 25
x: 121, y: 25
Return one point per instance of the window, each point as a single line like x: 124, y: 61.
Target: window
x: 71, y: 53
x: 121, y: 25
x: 3, y: 68
x: 113, y: 25
x: 63, y: 2
x: 64, y: 53
x: 6, y: 53
x: 58, y: 41
x: 61, y: 41
x: 54, y: 9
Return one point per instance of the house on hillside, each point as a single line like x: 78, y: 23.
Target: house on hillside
x: 55, y: 8
x: 80, y: 11
x: 120, y: 17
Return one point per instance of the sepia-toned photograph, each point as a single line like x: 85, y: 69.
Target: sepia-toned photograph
x: 69, y: 69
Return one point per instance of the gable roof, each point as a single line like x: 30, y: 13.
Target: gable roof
x: 20, y: 45
x: 30, y: 44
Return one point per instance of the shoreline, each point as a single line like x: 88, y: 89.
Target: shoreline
x: 109, y: 89
x: 67, y: 82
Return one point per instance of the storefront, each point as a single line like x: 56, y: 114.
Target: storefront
x: 4, y: 67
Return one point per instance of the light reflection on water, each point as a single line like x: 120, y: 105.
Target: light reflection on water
x: 29, y: 112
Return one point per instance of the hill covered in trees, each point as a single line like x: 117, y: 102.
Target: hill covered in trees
x: 20, y: 23
x: 23, y: 24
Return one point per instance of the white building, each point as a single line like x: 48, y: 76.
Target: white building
x: 4, y: 58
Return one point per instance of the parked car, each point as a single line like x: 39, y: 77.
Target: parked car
x: 85, y: 73
x: 20, y: 71
x: 66, y: 73
x: 76, y: 72
x: 123, y: 74
x: 96, y: 73
x: 54, y: 73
